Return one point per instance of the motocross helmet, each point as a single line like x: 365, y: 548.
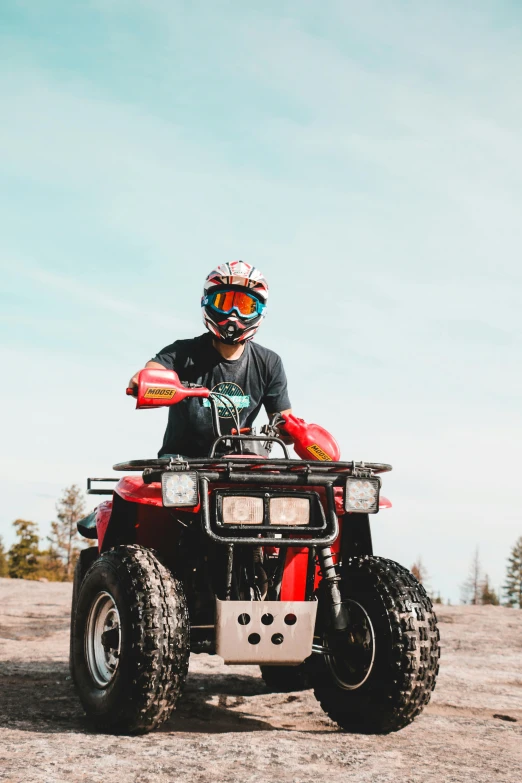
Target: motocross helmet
x: 234, y: 302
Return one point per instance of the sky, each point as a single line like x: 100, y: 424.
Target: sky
x: 367, y: 157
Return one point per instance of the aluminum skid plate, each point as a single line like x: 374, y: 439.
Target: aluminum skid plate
x: 277, y: 632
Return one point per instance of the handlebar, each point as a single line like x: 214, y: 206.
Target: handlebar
x: 157, y: 388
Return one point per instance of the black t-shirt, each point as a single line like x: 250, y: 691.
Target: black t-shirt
x: 256, y: 378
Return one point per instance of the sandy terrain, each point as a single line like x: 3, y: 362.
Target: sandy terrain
x: 228, y: 728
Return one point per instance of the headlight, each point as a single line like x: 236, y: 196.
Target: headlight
x: 362, y: 495
x: 239, y: 510
x: 289, y: 511
x: 179, y: 489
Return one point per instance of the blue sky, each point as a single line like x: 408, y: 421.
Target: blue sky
x: 367, y: 157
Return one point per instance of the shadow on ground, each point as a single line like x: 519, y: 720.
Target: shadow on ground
x: 47, y: 702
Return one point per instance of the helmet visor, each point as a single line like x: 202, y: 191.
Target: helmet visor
x: 244, y: 304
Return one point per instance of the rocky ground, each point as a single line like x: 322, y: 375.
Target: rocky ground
x: 229, y: 728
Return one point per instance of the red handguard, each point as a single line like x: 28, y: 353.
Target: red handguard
x: 310, y: 441
x: 158, y: 388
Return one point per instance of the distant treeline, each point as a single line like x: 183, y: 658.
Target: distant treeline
x: 476, y: 589
x: 55, y: 560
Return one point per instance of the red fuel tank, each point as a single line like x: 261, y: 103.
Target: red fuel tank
x: 310, y: 440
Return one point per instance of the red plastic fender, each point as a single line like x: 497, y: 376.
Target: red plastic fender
x: 103, y: 516
x: 133, y: 489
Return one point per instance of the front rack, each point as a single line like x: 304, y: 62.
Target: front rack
x: 91, y: 490
x: 239, y: 464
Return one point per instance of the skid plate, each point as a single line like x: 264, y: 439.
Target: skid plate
x: 259, y: 631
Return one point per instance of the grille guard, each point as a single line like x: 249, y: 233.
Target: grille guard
x: 326, y: 537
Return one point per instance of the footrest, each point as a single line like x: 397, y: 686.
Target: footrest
x: 277, y: 632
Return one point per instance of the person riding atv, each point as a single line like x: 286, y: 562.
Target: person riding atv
x: 217, y: 547
x: 224, y: 360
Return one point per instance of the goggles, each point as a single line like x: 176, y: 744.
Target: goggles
x: 225, y: 302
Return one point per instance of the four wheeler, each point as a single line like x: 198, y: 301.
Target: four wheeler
x: 257, y: 559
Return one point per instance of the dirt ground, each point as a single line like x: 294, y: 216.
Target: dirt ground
x: 229, y: 728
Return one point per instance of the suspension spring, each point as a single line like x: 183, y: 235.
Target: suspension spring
x: 331, y: 579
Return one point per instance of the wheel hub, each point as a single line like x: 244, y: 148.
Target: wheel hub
x: 350, y: 654
x: 103, y: 639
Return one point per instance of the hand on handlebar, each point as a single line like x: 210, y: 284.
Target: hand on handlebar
x: 132, y: 386
x: 277, y: 423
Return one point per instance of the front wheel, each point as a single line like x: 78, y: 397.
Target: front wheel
x: 130, y: 641
x: 381, y: 676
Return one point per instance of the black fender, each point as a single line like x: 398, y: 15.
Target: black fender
x: 356, y: 540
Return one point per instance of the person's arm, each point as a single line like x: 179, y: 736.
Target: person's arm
x: 153, y: 365
x: 164, y: 360
x: 276, y: 398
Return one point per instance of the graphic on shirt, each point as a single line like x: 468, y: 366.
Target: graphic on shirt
x: 235, y: 393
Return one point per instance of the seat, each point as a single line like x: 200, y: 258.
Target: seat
x: 87, y: 526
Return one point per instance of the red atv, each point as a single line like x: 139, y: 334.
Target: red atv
x: 256, y: 559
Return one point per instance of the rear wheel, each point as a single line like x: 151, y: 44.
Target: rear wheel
x: 285, y: 679
x: 380, y: 677
x: 130, y: 641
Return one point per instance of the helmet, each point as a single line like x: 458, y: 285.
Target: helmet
x: 234, y: 318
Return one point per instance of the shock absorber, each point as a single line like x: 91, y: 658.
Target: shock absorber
x: 331, y: 579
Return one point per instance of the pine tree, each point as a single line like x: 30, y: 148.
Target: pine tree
x: 4, y: 570
x: 64, y: 538
x: 471, y: 588
x: 24, y: 554
x: 50, y: 564
x: 487, y: 593
x: 419, y: 571
x: 513, y: 585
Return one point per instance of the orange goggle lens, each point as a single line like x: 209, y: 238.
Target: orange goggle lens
x: 227, y: 300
